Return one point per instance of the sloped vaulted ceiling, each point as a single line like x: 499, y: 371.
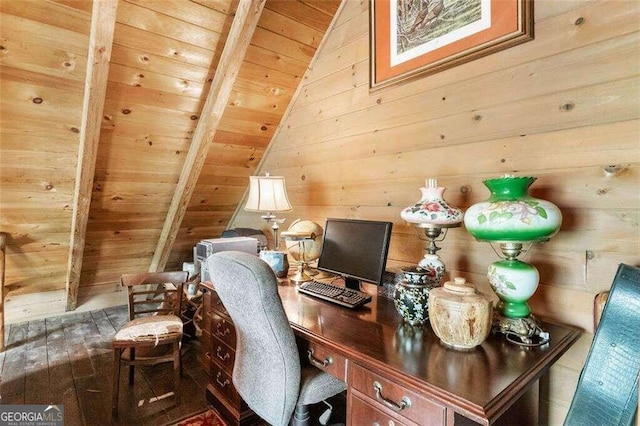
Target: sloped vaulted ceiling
x: 164, y: 58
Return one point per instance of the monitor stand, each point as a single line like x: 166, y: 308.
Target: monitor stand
x: 352, y: 283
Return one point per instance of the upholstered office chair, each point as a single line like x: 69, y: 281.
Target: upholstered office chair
x: 267, y: 372
x: 154, y: 331
x: 607, y: 391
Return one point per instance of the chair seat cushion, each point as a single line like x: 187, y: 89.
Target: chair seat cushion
x: 152, y: 329
x: 316, y: 386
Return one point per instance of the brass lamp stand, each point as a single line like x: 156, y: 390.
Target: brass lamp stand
x: 301, y: 273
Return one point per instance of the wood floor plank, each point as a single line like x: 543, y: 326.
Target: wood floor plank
x: 94, y: 390
x: 13, y: 370
x: 36, y: 366
x: 61, y: 384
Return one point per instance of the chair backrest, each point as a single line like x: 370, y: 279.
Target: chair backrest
x: 266, y: 372
x: 607, y: 391
x: 154, y: 293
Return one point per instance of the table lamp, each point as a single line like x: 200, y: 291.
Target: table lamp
x: 433, y: 215
x: 268, y: 194
x: 512, y: 218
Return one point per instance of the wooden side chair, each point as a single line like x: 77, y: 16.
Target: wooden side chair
x: 154, y: 331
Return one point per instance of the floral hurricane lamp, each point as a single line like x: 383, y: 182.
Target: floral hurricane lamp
x: 432, y: 215
x: 512, y: 218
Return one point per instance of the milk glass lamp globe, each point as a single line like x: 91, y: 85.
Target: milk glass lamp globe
x: 511, y: 214
x: 432, y: 209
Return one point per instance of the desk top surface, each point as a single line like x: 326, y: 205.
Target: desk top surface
x: 479, y: 381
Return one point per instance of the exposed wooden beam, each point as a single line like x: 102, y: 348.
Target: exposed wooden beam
x: 244, y: 24
x: 103, y: 21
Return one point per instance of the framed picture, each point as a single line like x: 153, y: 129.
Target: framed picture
x: 411, y: 38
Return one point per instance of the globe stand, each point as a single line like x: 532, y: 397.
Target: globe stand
x: 513, y: 319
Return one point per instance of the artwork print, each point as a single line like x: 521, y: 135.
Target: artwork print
x: 425, y: 25
x: 413, y: 37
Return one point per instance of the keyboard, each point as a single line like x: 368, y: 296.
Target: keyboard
x: 335, y: 294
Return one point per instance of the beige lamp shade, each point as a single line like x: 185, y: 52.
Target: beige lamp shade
x: 267, y: 194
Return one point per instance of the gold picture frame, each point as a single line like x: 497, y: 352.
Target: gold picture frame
x: 428, y: 36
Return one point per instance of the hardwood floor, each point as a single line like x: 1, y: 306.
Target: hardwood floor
x: 68, y: 360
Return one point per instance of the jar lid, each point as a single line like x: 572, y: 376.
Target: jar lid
x: 459, y: 285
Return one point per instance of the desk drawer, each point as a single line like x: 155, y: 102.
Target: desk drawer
x: 221, y: 381
x: 222, y: 354
x: 216, y: 303
x: 361, y: 413
x: 223, y: 329
x: 389, y: 395
x: 205, y: 354
x: 327, y: 360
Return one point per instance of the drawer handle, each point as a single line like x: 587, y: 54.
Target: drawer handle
x: 319, y: 363
x: 404, y: 403
x: 222, y: 333
x: 222, y: 384
x: 222, y: 357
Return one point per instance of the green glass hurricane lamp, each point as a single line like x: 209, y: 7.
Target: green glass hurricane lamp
x: 512, y: 218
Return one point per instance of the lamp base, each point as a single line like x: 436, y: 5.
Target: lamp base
x: 521, y: 331
x: 300, y: 276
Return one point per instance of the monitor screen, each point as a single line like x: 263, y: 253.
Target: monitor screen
x: 356, y: 250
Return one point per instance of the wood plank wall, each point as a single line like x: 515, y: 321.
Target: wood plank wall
x: 563, y: 108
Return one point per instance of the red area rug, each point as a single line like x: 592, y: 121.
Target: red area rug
x: 207, y: 418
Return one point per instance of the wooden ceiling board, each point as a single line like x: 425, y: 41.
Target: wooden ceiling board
x: 151, y: 80
x: 32, y: 58
x: 164, y: 25
x: 15, y: 27
x: 149, y: 62
x: 283, y: 45
x: 290, y: 28
x: 224, y: 6
x: 167, y: 47
x: 44, y: 77
x: 49, y: 13
x: 303, y: 13
x: 196, y: 14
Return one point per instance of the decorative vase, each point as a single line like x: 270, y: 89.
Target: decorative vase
x: 459, y: 315
x: 514, y: 282
x: 432, y: 209
x: 411, y: 296
x: 511, y: 214
x: 434, y: 268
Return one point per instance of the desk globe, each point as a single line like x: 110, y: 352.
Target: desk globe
x: 304, y: 243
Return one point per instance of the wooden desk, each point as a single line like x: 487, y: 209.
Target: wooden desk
x: 496, y: 382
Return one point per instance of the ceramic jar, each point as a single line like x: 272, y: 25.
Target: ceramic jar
x: 432, y: 208
x: 411, y: 296
x: 459, y: 315
x: 511, y: 214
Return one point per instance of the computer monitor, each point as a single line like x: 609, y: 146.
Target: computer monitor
x: 355, y: 249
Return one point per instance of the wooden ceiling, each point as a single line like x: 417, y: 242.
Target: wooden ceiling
x: 129, y: 128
